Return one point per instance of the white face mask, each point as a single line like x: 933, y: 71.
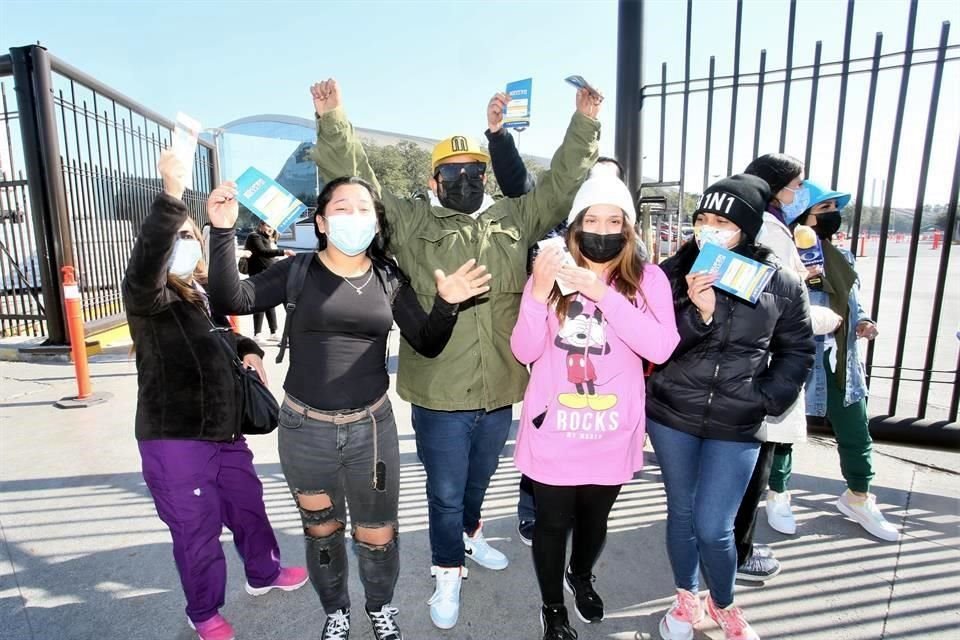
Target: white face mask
x: 186, y: 255
x: 707, y: 234
x: 351, y: 233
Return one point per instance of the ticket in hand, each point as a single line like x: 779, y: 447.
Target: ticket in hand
x: 736, y: 274
x: 559, y: 242
x: 580, y: 83
x: 186, y: 132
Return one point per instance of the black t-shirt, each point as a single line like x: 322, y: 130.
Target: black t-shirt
x: 338, y: 338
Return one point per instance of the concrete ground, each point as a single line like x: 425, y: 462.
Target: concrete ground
x: 84, y: 555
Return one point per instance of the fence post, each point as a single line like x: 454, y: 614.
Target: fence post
x: 78, y: 347
x: 41, y: 154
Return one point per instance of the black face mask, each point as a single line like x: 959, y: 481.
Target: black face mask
x: 601, y: 247
x: 463, y: 194
x: 827, y: 224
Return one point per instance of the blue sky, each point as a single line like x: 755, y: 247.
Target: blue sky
x: 428, y: 68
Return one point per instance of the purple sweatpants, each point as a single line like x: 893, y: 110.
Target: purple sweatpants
x: 198, y: 487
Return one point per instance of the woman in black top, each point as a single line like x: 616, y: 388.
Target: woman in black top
x: 263, y: 252
x: 338, y: 441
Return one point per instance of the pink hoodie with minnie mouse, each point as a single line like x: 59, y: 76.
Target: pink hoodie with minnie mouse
x: 583, y: 416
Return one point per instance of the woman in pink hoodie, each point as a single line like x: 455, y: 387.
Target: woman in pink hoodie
x: 588, y: 320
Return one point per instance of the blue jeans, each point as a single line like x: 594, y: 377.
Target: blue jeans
x: 460, y: 451
x: 705, y: 481
x: 526, y: 504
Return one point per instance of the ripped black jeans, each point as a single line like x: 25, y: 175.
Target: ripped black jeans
x: 337, y: 461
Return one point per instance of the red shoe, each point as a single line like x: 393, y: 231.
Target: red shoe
x: 216, y: 628
x: 678, y: 623
x: 290, y: 579
x: 731, y: 621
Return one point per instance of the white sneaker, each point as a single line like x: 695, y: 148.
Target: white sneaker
x: 477, y: 549
x: 864, y: 511
x: 779, y: 514
x: 274, y: 337
x: 445, y: 601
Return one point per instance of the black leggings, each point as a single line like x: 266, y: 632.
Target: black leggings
x: 586, y: 509
x: 271, y: 314
x: 746, y: 520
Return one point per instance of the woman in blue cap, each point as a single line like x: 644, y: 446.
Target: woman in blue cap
x: 836, y: 387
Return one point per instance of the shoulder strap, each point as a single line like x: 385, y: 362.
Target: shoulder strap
x: 295, y: 279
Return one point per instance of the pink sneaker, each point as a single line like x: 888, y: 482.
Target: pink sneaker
x: 731, y: 621
x: 216, y: 628
x: 290, y: 579
x: 685, y: 612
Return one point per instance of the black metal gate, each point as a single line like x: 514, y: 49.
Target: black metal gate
x: 914, y: 366
x: 78, y: 175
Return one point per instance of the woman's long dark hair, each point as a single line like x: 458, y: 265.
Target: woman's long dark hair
x: 379, y: 249
x: 777, y: 169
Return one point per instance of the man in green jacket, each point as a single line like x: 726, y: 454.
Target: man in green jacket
x: 462, y: 398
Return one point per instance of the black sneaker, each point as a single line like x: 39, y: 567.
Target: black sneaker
x: 756, y: 568
x: 556, y: 625
x: 384, y: 625
x: 525, y: 529
x: 337, y: 626
x: 589, y: 606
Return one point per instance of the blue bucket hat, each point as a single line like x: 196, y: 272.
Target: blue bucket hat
x: 820, y: 194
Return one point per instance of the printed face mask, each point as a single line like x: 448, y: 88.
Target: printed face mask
x: 801, y: 201
x: 707, y: 234
x: 186, y: 255
x: 351, y: 233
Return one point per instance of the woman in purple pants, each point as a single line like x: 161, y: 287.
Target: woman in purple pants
x: 195, y: 462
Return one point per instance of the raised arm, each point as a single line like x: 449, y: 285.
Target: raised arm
x: 339, y: 153
x: 508, y: 167
x: 546, y: 206
x: 145, y: 279
x: 227, y: 294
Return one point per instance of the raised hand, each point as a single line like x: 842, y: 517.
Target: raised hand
x: 495, y: 110
x: 588, y: 103
x: 173, y: 173
x: 326, y: 96
x: 464, y: 283
x: 545, y: 270
x: 701, y: 293
x: 583, y: 280
x: 222, y: 207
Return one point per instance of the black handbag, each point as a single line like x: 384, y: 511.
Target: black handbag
x: 260, y: 412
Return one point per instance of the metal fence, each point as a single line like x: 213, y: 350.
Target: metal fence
x: 914, y: 366
x: 79, y: 174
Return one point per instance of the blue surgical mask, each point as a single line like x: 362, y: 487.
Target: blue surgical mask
x: 706, y: 234
x: 183, y: 261
x: 801, y: 202
x: 351, y: 233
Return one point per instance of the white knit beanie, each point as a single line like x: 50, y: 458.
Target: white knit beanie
x: 602, y: 188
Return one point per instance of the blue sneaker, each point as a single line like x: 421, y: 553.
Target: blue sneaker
x: 478, y: 550
x: 445, y: 601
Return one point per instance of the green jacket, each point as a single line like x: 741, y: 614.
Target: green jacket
x: 477, y: 369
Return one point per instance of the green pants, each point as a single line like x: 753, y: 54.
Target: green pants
x: 854, y: 444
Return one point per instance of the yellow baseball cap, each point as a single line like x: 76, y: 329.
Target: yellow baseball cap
x: 457, y: 146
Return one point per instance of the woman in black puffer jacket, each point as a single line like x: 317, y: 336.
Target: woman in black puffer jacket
x: 736, y: 363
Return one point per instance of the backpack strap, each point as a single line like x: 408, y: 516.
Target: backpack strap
x: 295, y: 279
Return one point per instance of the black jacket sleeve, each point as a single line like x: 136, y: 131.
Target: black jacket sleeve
x: 257, y: 293
x: 427, y: 334
x: 145, y: 280
x: 692, y: 329
x: 260, y: 247
x: 508, y: 167
x: 792, y: 350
